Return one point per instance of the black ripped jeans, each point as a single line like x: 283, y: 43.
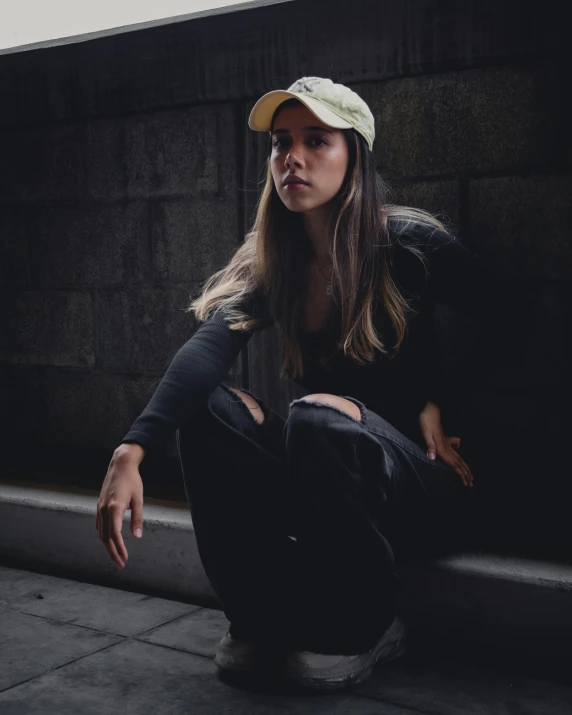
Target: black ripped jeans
x: 300, y: 522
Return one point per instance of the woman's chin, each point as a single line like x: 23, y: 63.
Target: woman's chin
x: 299, y: 203
x: 295, y: 204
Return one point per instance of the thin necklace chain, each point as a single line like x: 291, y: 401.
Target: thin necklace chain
x: 329, y: 290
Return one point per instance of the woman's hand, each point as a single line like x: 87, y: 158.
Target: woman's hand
x: 122, y: 489
x: 439, y: 444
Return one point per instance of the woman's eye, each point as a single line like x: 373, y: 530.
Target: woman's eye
x: 277, y: 143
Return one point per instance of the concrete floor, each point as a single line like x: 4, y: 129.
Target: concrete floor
x: 78, y: 648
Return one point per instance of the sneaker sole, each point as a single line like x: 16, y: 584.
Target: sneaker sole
x: 386, y: 650
x: 229, y: 662
x: 264, y: 659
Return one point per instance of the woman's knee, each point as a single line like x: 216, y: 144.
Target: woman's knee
x: 339, y: 404
x: 303, y: 410
x: 255, y: 409
x: 217, y: 404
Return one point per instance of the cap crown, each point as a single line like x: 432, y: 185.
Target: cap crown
x: 341, y: 100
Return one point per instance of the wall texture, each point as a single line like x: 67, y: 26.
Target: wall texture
x: 130, y: 176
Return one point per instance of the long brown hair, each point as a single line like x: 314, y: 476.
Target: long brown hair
x: 276, y: 252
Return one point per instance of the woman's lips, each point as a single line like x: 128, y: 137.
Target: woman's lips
x: 295, y: 187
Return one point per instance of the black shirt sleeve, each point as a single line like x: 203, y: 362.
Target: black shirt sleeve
x: 195, y: 371
x: 459, y: 278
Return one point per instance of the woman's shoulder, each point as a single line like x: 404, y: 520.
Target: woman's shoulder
x: 417, y: 234
x: 413, y: 244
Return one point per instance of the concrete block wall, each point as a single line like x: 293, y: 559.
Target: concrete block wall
x: 110, y: 225
x: 131, y: 175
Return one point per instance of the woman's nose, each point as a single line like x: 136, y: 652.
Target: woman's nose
x: 293, y: 157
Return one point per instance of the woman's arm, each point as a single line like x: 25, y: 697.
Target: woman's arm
x: 459, y: 278
x: 195, y: 371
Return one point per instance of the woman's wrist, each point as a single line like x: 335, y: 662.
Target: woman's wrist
x: 130, y: 451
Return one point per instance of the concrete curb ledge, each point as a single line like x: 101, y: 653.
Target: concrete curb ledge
x: 487, y: 599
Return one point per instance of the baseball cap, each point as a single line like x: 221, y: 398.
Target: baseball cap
x: 334, y: 104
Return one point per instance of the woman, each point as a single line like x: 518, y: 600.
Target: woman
x: 298, y: 521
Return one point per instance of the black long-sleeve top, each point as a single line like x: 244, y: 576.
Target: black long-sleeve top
x: 396, y: 387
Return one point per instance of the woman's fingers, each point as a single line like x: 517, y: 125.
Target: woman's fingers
x: 112, y: 550
x: 463, y: 469
x: 459, y: 465
x: 110, y: 521
x: 117, y: 536
x: 455, y: 442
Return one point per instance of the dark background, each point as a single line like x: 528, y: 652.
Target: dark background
x: 129, y: 175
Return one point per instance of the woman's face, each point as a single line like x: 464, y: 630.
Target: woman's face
x: 318, y: 156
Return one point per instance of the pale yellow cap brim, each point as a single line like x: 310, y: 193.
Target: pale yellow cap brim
x: 262, y: 112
